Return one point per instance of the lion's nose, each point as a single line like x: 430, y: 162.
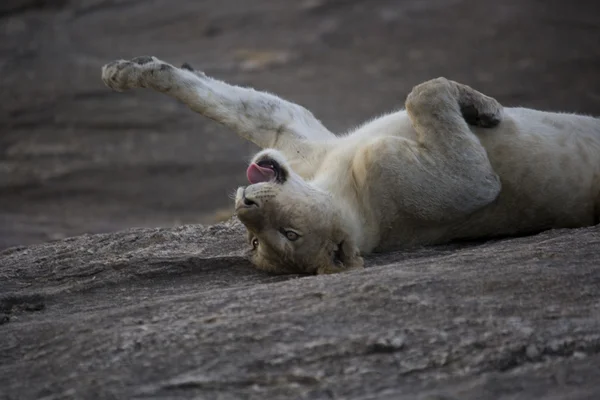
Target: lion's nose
x: 249, y: 202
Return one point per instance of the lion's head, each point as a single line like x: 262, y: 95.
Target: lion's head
x: 293, y: 226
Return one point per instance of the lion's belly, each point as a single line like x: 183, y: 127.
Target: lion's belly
x: 549, y: 165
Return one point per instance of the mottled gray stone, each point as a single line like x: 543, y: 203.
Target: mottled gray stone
x: 180, y: 313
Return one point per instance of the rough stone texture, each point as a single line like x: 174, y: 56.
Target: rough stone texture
x: 179, y: 313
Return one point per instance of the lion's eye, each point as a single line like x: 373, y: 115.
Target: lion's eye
x: 254, y: 243
x: 291, y: 236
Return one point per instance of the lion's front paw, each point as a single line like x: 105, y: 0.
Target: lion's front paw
x: 121, y: 75
x: 481, y: 111
x: 476, y: 108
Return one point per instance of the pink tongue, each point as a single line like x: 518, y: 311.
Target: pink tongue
x: 258, y: 174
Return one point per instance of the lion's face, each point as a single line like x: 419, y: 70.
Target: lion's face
x: 293, y: 227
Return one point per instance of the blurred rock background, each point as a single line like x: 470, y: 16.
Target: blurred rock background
x: 77, y: 158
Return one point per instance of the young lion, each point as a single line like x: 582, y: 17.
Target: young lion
x: 454, y: 165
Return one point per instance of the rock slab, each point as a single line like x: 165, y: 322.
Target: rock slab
x: 180, y: 313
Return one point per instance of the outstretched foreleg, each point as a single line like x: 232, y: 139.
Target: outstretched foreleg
x: 262, y: 118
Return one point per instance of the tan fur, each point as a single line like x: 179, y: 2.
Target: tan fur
x: 413, y: 177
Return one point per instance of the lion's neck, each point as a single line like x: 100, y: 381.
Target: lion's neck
x: 354, y: 218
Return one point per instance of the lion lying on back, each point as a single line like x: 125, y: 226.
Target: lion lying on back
x: 454, y: 165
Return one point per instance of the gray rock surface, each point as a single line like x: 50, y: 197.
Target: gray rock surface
x: 179, y: 313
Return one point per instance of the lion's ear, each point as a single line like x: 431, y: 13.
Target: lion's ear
x: 346, y: 256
